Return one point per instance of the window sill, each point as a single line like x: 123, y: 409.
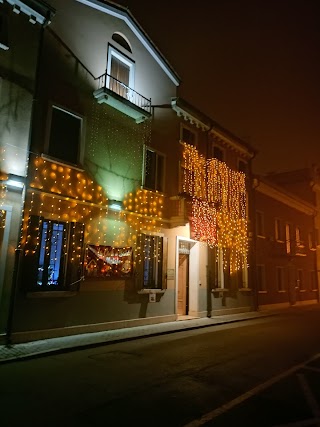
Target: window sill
x: 51, y: 294
x: 261, y: 236
x: 61, y: 162
x: 262, y: 292
x: 151, y: 291
x: 245, y: 289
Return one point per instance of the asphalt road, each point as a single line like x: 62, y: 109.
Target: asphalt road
x: 263, y: 372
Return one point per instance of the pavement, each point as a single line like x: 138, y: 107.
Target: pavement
x: 22, y: 351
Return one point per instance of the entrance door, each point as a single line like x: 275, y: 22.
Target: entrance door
x: 183, y: 285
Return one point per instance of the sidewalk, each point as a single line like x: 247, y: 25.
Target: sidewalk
x: 31, y: 349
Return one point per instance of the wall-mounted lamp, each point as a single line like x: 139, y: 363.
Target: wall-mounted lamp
x: 115, y: 205
x: 15, y: 182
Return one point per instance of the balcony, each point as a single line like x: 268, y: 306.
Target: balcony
x: 121, y: 97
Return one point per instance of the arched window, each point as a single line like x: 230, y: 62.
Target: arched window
x: 122, y: 41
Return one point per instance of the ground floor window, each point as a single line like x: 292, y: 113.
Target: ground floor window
x: 153, y: 261
x: 280, y: 278
x: 53, y: 254
x: 261, y: 279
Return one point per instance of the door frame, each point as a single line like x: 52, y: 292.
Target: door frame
x: 193, y: 275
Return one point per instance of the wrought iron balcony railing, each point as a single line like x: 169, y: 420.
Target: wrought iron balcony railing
x: 106, y: 81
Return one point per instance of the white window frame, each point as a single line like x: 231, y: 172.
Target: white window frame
x: 81, y: 137
x: 158, y: 153
x: 288, y: 238
x: 112, y: 52
x: 278, y: 230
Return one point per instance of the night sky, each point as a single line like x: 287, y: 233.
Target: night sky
x: 251, y: 65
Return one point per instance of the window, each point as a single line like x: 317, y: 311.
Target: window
x: 299, y: 242
x: 279, y: 230
x: 280, y: 278
x: 152, y: 261
x: 242, y: 166
x: 120, y: 70
x: 65, y: 135
x: 51, y: 260
x: 261, y: 279
x: 153, y: 170
x: 288, y: 239
x: 122, y: 41
x: 218, y: 153
x: 300, y: 281
x: 312, y: 240
x: 53, y: 255
x: 188, y: 136
x: 260, y: 223
x: 4, y: 44
x: 313, y: 280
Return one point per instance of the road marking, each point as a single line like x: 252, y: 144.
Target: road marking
x: 309, y: 397
x: 303, y: 423
x: 227, y: 406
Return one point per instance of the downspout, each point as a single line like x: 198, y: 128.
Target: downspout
x: 18, y: 250
x: 254, y: 184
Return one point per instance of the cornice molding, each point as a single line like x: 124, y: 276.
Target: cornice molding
x: 284, y: 198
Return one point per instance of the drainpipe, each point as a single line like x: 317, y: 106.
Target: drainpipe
x: 18, y: 251
x: 254, y: 184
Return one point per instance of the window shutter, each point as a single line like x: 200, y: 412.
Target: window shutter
x: 31, y: 253
x: 4, y: 44
x: 75, y: 256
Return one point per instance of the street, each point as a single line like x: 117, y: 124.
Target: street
x: 262, y: 372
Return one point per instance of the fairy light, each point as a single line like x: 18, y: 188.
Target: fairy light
x: 218, y: 206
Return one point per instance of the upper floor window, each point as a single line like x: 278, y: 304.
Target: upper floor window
x: 65, y: 135
x: 288, y: 239
x: 4, y: 44
x: 242, y: 166
x: 312, y: 240
x: 122, y: 41
x: 120, y: 70
x: 279, y: 230
x: 153, y: 170
x: 218, y: 153
x: 188, y: 136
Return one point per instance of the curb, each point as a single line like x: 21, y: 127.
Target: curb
x: 103, y: 341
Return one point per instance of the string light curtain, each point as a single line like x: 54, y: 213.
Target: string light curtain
x: 218, y: 197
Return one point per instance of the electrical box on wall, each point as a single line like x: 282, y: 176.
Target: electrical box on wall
x: 152, y: 297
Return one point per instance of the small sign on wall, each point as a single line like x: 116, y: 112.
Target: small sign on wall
x: 152, y: 298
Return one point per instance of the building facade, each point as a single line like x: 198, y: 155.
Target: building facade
x: 134, y: 203
x: 286, y: 243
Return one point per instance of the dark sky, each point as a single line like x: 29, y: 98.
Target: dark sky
x: 251, y: 65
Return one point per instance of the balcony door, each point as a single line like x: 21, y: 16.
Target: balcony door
x: 120, y: 70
